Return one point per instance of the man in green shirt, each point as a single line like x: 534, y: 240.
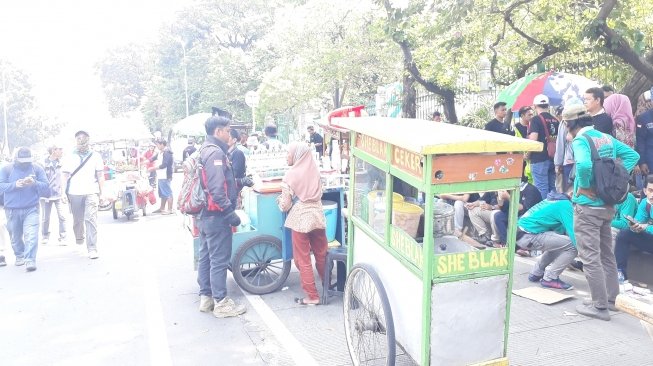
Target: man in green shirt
x: 549, y: 227
x: 592, y: 216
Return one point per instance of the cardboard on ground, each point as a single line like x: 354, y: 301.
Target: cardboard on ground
x: 541, y: 295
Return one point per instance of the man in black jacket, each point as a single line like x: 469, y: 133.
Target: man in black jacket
x: 215, y: 221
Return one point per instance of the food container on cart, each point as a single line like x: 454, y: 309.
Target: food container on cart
x: 406, y: 216
x: 443, y: 223
x: 376, y: 212
x: 331, y: 214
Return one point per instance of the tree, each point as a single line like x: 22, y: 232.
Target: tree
x: 25, y: 126
x: 329, y: 54
x: 124, y: 72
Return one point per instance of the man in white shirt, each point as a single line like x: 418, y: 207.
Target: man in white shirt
x: 83, y: 171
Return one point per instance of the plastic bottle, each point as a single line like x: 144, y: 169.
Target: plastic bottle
x: 379, y: 213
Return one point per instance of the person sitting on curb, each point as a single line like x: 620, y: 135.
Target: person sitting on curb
x: 481, y: 214
x: 458, y: 201
x: 549, y: 227
x: 638, y: 233
x: 529, y: 196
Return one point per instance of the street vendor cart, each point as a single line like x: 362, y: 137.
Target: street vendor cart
x: 411, y: 283
x: 262, y: 246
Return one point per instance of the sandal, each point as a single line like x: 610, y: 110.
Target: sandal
x: 301, y: 301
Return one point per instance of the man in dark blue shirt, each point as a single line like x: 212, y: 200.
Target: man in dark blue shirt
x: 22, y: 184
x: 316, y: 140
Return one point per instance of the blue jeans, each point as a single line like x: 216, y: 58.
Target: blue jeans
x: 47, y: 211
x: 626, y: 238
x: 501, y: 222
x: 214, y: 257
x: 544, y: 177
x: 23, y: 227
x: 566, y: 171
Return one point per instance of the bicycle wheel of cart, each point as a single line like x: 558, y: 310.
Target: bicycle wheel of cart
x: 258, y: 267
x: 369, y: 327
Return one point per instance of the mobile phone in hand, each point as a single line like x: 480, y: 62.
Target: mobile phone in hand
x: 630, y: 220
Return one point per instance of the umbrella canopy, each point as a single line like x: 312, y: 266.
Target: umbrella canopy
x: 192, y: 125
x: 558, y: 86
x: 130, y: 128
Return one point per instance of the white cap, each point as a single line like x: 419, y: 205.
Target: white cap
x: 540, y: 99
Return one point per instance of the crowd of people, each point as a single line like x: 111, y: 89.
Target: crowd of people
x: 561, y: 214
x: 565, y: 216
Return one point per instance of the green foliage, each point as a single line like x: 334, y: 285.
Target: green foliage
x: 123, y: 73
x: 25, y: 125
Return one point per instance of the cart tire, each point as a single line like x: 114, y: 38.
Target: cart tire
x: 258, y: 267
x: 369, y: 327
x: 115, y: 212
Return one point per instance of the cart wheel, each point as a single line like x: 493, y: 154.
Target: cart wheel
x: 258, y: 267
x: 369, y: 327
x: 115, y: 212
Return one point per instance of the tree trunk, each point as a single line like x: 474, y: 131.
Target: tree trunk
x: 409, y: 99
x: 637, y: 84
x: 449, y: 106
x: 336, y: 96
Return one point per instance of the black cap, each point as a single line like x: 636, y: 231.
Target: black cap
x: 81, y: 132
x: 23, y: 155
x: 220, y: 112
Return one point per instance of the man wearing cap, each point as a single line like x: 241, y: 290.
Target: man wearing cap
x: 22, y: 184
x: 543, y: 126
x: 592, y: 217
x: 594, y: 98
x: 52, y: 167
x: 83, y: 171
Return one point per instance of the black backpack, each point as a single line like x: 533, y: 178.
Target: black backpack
x: 610, y: 176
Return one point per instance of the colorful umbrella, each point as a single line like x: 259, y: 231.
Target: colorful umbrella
x: 558, y: 86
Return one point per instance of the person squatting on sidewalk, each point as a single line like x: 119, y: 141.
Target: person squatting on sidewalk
x: 549, y: 226
x: 592, y: 216
x: 301, y: 197
x: 52, y: 167
x: 215, y: 221
x: 84, y: 174
x: 22, y: 184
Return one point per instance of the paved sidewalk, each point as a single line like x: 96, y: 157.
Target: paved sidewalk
x: 539, y: 334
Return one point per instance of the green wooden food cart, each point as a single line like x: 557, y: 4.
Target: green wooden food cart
x: 413, y: 292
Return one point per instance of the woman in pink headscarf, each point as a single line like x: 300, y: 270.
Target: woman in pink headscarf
x: 301, y: 196
x: 618, y: 107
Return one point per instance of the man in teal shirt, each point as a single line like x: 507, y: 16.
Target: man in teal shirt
x: 592, y: 216
x: 549, y: 227
x: 639, y: 234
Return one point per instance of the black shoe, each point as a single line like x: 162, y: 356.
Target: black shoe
x: 577, y: 265
x: 3, y: 262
